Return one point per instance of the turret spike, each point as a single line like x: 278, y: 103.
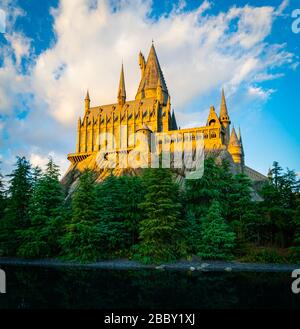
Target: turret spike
x: 122, y: 90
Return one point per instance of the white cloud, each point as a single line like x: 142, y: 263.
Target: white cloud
x: 40, y: 160
x: 20, y: 46
x: 199, y: 52
x: 199, y: 49
x: 259, y: 92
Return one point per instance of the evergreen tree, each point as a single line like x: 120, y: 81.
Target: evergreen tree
x: 132, y: 195
x: 215, y: 185
x: 200, y: 193
x: 111, y: 222
x: 46, y: 211
x: 161, y: 230
x: 279, y: 206
x: 296, y: 242
x: 82, y: 240
x: 17, y: 214
x: 217, y: 240
x: 241, y: 208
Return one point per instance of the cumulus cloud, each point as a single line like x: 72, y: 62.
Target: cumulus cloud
x: 198, y: 51
x: 92, y: 42
x: 38, y: 160
x: 258, y: 92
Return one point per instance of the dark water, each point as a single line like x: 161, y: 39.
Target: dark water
x: 106, y: 289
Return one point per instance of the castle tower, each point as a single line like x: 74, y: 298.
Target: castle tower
x: 242, y: 146
x: 122, y: 90
x: 224, y: 119
x: 87, y: 102
x: 152, y: 81
x: 235, y: 148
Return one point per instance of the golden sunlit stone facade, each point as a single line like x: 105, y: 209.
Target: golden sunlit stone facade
x: 150, y: 112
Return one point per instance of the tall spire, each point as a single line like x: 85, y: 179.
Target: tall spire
x: 224, y: 116
x: 224, y: 119
x: 241, y: 143
x: 152, y: 78
x: 87, y: 101
x: 240, y: 136
x: 122, y: 90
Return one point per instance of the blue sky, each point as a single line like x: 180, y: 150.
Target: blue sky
x: 54, y: 50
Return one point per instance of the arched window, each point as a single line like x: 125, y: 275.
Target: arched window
x: 212, y: 122
x: 213, y: 135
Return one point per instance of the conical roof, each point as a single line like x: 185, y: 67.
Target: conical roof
x: 122, y: 90
x: 223, y: 111
x: 153, y: 75
x: 234, y: 141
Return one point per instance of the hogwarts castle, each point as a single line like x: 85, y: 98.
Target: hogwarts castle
x: 150, y: 113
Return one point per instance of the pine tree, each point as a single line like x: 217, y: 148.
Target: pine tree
x: 296, y: 242
x: 200, y: 193
x: 279, y: 205
x: 161, y: 230
x: 17, y: 214
x: 82, y: 240
x: 241, y: 208
x: 132, y: 195
x: 110, y: 196
x: 217, y: 240
x: 46, y: 211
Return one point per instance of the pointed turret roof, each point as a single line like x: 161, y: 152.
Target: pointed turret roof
x: 234, y: 141
x: 240, y: 136
x: 223, y: 111
x: 122, y: 89
x: 240, y: 140
x: 173, y: 121
x: 212, y: 117
x: 87, y: 97
x: 153, y: 75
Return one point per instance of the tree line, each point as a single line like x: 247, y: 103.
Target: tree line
x: 150, y: 217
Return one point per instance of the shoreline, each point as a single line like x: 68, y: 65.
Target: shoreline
x: 123, y: 264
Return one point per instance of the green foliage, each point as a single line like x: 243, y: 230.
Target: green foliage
x: 149, y: 216
x: 110, y: 199
x: 82, y: 240
x: 279, y: 207
x: 241, y: 208
x: 17, y: 207
x: 46, y: 216
x: 263, y: 255
x: 161, y: 230
x: 217, y: 240
x: 200, y: 193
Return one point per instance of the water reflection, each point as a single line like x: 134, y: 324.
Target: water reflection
x: 110, y: 289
